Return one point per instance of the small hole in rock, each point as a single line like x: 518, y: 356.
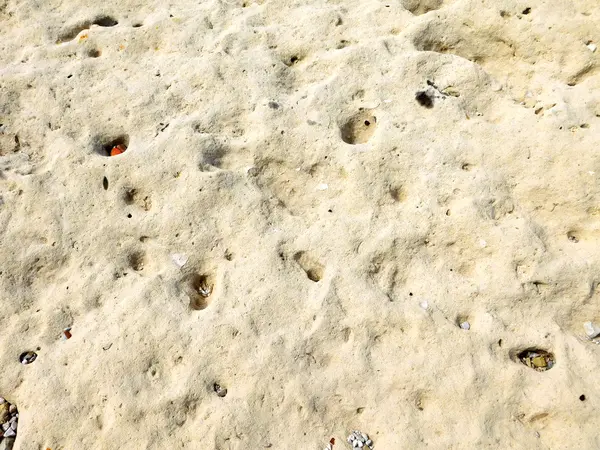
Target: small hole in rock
x: 129, y: 216
x: 463, y: 322
x: 219, y: 390
x: 359, y: 128
x: 137, y: 25
x: 424, y: 99
x: 27, y: 357
x: 526, y: 11
x: 112, y: 147
x: 537, y: 359
x: 137, y: 261
x: 200, y: 288
x: 105, y: 183
x: 105, y: 21
x: 313, y: 269
x: 582, y: 398
x: 94, y: 53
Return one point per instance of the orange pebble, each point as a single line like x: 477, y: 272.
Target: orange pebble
x: 117, y: 150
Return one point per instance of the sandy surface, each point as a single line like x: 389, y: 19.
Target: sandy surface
x: 340, y: 230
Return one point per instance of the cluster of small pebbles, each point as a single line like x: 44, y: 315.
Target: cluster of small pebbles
x: 359, y: 439
x: 539, y: 360
x: 9, y: 417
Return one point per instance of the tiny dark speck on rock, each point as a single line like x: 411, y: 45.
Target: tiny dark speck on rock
x: 273, y: 105
x: 129, y: 216
x: 105, y: 183
x: 424, y: 99
x: 526, y: 10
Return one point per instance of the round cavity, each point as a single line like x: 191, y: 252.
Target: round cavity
x: 200, y: 290
x: 359, y: 128
x: 27, y: 357
x: 537, y: 359
x: 112, y: 147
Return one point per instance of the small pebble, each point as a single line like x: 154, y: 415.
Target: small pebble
x: 424, y: 305
x: 591, y: 329
x: 9, y: 433
x: 179, y: 259
x: 66, y: 334
x: 14, y: 426
x: 12, y: 409
x: 2, y: 400
x: 5, y: 426
x: 465, y: 326
x: 592, y: 47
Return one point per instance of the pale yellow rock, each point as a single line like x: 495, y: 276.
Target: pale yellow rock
x: 313, y: 254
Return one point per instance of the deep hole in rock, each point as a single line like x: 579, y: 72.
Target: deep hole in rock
x: 359, y: 128
x: 112, y: 147
x: 105, y: 21
x: 424, y: 99
x: 200, y: 288
x: 535, y: 358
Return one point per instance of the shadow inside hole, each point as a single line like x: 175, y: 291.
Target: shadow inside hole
x: 104, y: 146
x: 359, y: 128
x: 105, y: 21
x: 535, y: 358
x: 137, y: 261
x: 201, y: 287
x: 424, y: 99
x: 313, y: 269
x: 94, y: 53
x: 293, y: 60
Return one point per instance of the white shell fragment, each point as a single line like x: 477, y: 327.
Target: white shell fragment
x: 591, y: 329
x: 179, y: 259
x: 592, y: 47
x: 465, y: 325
